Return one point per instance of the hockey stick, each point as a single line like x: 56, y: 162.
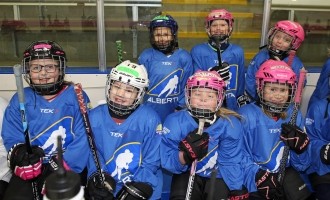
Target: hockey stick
x: 293, y: 119
x: 88, y: 128
x: 119, y: 51
x: 194, y: 164
x: 20, y: 92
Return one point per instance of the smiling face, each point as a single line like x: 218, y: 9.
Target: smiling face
x: 44, y: 71
x: 122, y: 94
x: 204, y: 98
x: 219, y: 27
x: 276, y: 93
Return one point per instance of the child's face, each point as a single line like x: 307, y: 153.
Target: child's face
x: 276, y: 93
x: 219, y: 27
x: 281, y: 41
x: 204, y: 98
x: 162, y: 36
x: 122, y: 93
x: 43, y: 71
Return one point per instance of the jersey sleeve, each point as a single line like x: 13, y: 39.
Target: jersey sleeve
x: 173, y: 133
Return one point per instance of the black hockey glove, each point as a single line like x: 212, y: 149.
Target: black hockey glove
x: 242, y: 194
x: 296, y: 139
x: 243, y: 100
x: 194, y: 146
x: 325, y: 154
x: 267, y: 185
x: 26, y: 166
x: 135, y: 191
x: 223, y: 71
x: 97, y: 191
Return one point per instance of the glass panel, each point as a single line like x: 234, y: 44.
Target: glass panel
x: 73, y: 25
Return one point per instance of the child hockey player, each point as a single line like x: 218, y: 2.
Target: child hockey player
x: 167, y: 65
x: 217, y: 148
x: 317, y: 126
x: 284, y: 39
x: 126, y: 138
x: 219, y: 27
x: 266, y: 131
x: 51, y: 110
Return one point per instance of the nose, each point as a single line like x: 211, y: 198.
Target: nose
x: 120, y: 92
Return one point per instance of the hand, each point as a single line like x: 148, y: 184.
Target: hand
x: 194, y: 146
x: 296, y: 139
x: 24, y: 165
x: 242, y: 194
x: 267, y: 185
x: 99, y: 191
x: 222, y: 70
x: 325, y: 154
x: 243, y: 100
x: 135, y: 190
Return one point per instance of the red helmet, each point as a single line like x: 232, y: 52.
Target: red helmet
x: 294, y: 29
x: 219, y: 14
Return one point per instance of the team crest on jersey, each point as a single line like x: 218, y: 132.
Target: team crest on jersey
x: 206, y: 165
x: 169, y: 86
x: 273, y: 163
x: 125, y: 161
x: 233, y: 73
x: 48, y: 138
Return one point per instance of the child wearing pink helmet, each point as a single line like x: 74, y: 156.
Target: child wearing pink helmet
x: 267, y: 130
x: 217, y: 148
x: 284, y: 39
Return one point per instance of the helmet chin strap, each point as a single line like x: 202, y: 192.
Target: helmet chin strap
x: 209, y: 120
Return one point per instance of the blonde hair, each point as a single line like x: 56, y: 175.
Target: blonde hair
x: 225, y: 112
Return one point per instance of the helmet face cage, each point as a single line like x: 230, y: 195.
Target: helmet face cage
x: 164, y: 21
x: 220, y: 14
x: 275, y: 72
x: 44, y: 50
x: 131, y: 74
x: 293, y: 29
x: 204, y: 79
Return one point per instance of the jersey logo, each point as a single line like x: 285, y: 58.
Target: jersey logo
x: 167, y: 87
x: 273, y: 163
x: 122, y: 162
x: 232, y: 81
x: 48, y: 138
x: 125, y: 161
x: 207, y: 168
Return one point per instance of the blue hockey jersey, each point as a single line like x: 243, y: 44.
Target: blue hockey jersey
x: 205, y: 56
x: 46, y: 120
x: 224, y: 151
x: 263, y: 147
x: 128, y: 151
x: 322, y: 89
x: 168, y: 75
x: 317, y: 126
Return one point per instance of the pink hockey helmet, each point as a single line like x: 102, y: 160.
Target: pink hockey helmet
x: 219, y: 14
x: 205, y: 79
x: 294, y: 29
x: 273, y: 71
